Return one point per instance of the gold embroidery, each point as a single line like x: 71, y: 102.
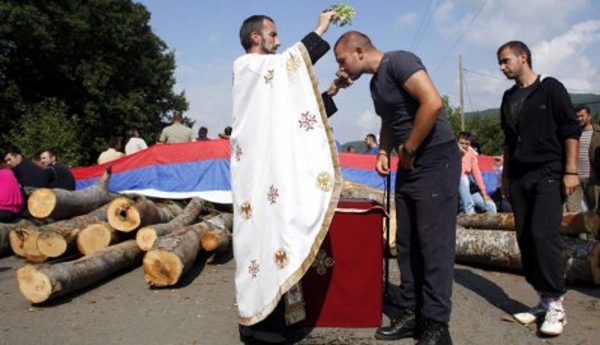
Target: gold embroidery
x: 325, y: 182
x: 281, y: 259
x: 246, y: 210
x: 307, y: 121
x: 292, y: 64
x: 322, y: 262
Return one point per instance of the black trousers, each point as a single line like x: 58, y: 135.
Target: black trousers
x: 426, y: 205
x: 537, y: 198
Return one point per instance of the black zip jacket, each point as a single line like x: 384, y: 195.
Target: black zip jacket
x: 546, y: 120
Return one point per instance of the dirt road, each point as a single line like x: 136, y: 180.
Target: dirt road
x: 201, y: 310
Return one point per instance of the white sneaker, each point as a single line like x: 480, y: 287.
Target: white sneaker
x: 534, y: 313
x: 555, y: 319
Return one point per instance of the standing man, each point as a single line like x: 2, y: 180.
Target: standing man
x: 285, y: 177
x: 59, y: 176
x: 540, y: 169
x: 414, y: 124
x: 176, y: 132
x: 588, y: 169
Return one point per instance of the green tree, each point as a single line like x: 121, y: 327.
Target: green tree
x: 99, y: 57
x: 51, y: 127
x: 487, y: 128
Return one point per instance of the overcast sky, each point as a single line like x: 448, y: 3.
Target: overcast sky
x: 564, y: 36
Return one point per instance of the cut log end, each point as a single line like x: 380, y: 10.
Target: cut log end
x: 41, y: 202
x: 51, y: 244
x: 210, y: 241
x: 94, y: 237
x: 122, y: 215
x: 16, y: 240
x: 145, y: 238
x: 33, y: 284
x: 162, y: 268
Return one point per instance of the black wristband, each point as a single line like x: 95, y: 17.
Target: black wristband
x: 571, y: 173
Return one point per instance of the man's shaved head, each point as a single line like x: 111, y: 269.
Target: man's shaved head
x: 353, y: 39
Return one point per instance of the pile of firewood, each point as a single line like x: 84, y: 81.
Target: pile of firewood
x: 78, y: 238
x: 491, y: 240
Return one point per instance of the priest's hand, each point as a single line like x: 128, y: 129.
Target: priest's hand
x: 325, y: 18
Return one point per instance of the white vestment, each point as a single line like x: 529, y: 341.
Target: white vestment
x: 285, y: 177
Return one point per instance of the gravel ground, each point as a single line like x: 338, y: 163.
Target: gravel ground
x: 201, y: 310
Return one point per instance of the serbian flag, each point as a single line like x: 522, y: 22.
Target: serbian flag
x: 181, y: 171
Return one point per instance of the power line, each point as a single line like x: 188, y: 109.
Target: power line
x: 460, y: 37
x: 424, y: 19
x: 482, y: 74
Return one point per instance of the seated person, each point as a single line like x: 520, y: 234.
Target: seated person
x: 476, y: 197
x: 11, y: 196
x: 29, y: 175
x: 113, y: 152
x: 59, y: 176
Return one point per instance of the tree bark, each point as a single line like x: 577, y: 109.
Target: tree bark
x: 129, y: 214
x: 498, y: 248
x: 39, y: 284
x: 60, y: 204
x: 173, y: 255
x: 218, y: 239
x: 58, y: 238
x: 498, y: 221
x: 594, y: 260
x: 572, y: 223
x: 146, y: 236
x: 96, y: 236
x: 578, y: 267
x: 487, y: 247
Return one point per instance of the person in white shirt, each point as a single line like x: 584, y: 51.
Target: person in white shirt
x: 134, y: 142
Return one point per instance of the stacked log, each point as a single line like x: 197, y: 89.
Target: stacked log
x: 146, y: 236
x: 58, y: 238
x: 42, y: 283
x: 573, y: 223
x: 130, y: 213
x: 96, y: 236
x: 491, y: 240
x: 61, y: 204
x: 173, y: 255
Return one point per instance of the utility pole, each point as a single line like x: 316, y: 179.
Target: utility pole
x: 462, y: 99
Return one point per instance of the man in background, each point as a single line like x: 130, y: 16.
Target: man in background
x: 29, y: 175
x: 540, y: 168
x: 59, y: 176
x: 372, y: 146
x: 585, y: 196
x: 176, y: 132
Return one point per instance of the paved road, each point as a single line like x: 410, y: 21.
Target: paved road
x: 201, y: 310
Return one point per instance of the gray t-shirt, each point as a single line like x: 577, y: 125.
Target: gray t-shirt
x: 395, y: 106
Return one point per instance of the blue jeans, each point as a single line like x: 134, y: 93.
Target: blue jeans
x: 470, y: 202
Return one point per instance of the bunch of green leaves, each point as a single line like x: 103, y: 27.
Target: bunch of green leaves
x: 345, y: 14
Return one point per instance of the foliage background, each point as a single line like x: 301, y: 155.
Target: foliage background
x: 93, y: 67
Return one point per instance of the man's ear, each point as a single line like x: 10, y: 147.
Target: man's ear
x: 255, y: 37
